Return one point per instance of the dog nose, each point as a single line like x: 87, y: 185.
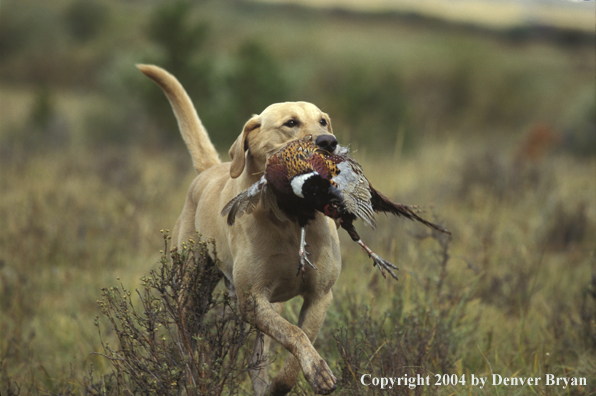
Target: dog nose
x: 326, y: 142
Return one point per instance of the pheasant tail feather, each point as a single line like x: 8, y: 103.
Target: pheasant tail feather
x: 381, y: 203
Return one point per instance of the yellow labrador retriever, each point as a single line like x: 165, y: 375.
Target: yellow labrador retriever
x: 259, y: 252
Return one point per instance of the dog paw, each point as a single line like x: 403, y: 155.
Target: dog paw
x: 323, y: 382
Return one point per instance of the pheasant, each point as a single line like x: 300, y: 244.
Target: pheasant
x: 302, y: 179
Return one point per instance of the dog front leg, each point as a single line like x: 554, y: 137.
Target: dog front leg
x: 259, y: 310
x: 312, y: 316
x: 260, y: 357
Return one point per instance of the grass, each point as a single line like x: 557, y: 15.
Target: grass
x: 511, y: 303
x: 86, y: 187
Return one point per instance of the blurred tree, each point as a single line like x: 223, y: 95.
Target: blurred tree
x: 224, y: 99
x: 180, y: 41
x: 580, y: 125
x: 85, y: 18
x: 178, y: 38
x: 14, y: 34
x: 374, y: 107
x: 31, y: 42
x: 257, y: 81
x: 42, y: 111
x: 254, y: 82
x: 46, y: 127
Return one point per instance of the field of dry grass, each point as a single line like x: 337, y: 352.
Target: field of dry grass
x: 517, y: 286
x: 496, y: 145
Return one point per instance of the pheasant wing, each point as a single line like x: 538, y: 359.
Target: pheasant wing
x: 355, y: 189
x: 269, y: 202
x: 245, y: 202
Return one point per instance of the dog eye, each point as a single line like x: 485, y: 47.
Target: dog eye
x: 291, y: 123
x: 323, y: 122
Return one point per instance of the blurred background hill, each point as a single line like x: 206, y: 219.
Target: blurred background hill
x: 411, y: 69
x: 484, y: 112
x: 491, y: 14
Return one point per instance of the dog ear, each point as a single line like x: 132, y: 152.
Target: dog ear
x: 240, y: 146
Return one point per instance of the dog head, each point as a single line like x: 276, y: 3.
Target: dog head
x: 265, y: 134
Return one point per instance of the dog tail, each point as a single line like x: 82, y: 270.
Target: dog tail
x: 193, y: 132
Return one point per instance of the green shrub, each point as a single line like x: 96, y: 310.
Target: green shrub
x: 179, y: 41
x: 255, y: 82
x: 372, y: 109
x: 85, y: 19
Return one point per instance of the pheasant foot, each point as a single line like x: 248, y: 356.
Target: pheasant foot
x: 379, y: 261
x: 303, y: 254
